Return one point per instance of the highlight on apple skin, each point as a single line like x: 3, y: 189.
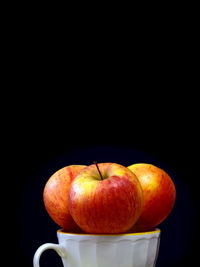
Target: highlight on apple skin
x: 105, y: 199
x: 159, y: 195
x: 55, y: 196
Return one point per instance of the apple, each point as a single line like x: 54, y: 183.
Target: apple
x: 159, y: 195
x: 105, y: 198
x: 55, y: 196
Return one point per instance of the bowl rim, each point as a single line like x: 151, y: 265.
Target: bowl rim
x: 153, y: 231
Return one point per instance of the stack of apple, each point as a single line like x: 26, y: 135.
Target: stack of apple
x: 108, y: 198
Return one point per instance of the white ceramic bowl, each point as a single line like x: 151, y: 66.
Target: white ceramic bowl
x: 123, y: 250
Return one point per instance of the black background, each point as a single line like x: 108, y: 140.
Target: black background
x: 119, y: 128
x: 74, y: 92
x: 71, y: 101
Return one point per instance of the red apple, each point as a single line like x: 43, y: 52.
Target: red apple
x: 159, y: 195
x: 105, y: 199
x: 55, y: 196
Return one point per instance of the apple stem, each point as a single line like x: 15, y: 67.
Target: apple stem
x: 95, y: 162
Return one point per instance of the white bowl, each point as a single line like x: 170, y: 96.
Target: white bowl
x: 122, y: 250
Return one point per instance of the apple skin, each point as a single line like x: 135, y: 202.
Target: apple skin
x: 55, y: 196
x: 159, y: 195
x: 108, y: 206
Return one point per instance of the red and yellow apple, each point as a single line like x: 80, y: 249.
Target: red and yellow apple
x: 105, y: 199
x: 55, y: 196
x: 159, y: 195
